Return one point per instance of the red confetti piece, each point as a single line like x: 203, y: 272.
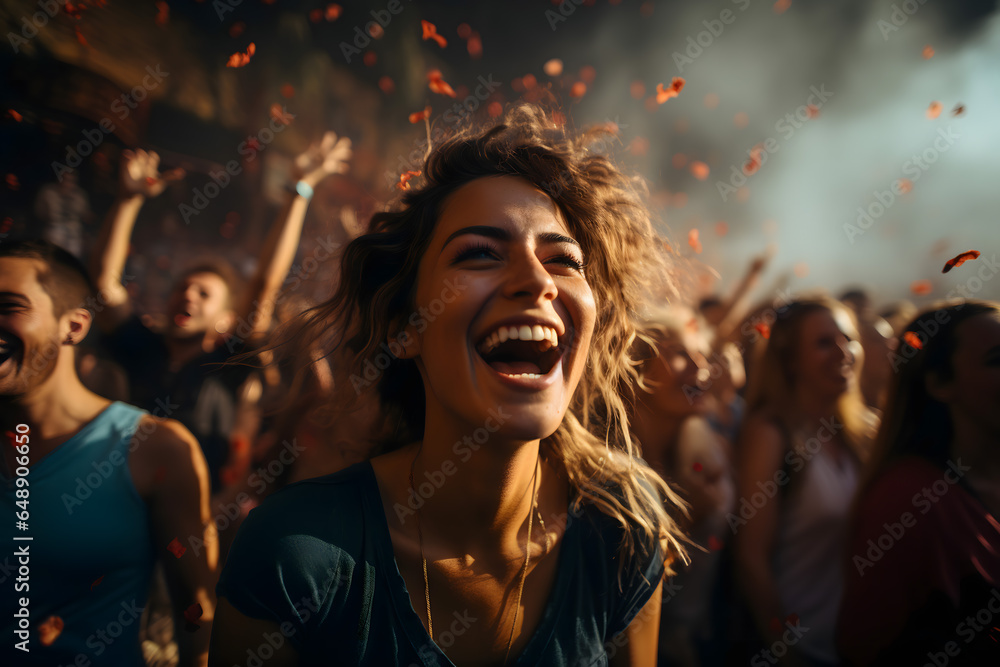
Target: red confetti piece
x: 430, y: 32
x: 921, y: 287
x: 934, y: 110
x: 753, y: 164
x: 495, y: 109
x: 288, y: 91
x: 697, y: 467
x: 763, y: 330
x: 316, y: 15
x: 191, y: 616
x: 694, y: 242
x: 714, y: 544
x: 386, y: 84
x: 242, y: 59
x: 553, y: 67
x: 7, y: 223
x: 176, y: 548
x: 370, y: 59
x: 12, y: 182
x: 958, y: 110
x: 812, y: 111
x: 464, y: 30
x: 637, y: 89
x: 439, y: 85
x: 588, y: 74
x: 664, y: 94
x: 15, y: 115
x: 404, y: 179
x: 959, y: 260
x: 475, y: 45
x: 376, y: 31
x: 79, y: 37
x: 905, y: 185
x: 529, y: 81
x: 679, y: 160
x: 49, y: 630
x: 699, y: 170
x: 229, y: 474
x: 97, y: 582
x: 162, y: 13
x: 236, y: 29
x: 928, y: 52
x: 781, y: 6
x: 75, y: 11
x: 578, y: 90
x: 333, y: 12
x: 721, y: 228
x: 913, y: 340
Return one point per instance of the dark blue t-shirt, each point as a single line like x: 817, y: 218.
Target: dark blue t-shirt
x: 316, y: 558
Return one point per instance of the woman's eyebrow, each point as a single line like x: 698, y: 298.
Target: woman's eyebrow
x: 502, y: 234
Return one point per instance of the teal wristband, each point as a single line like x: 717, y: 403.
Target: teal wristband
x: 304, y: 189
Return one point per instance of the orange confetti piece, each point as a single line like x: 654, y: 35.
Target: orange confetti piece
x: 812, y: 111
x: 191, y: 617
x: 386, y: 84
x: 694, y: 242
x: 176, y: 548
x: 934, y: 110
x: 578, y: 90
x: 376, y: 31
x: 958, y: 110
x: 637, y: 89
x: 418, y: 116
x: 464, y: 30
x: 679, y: 160
x: 664, y: 94
x: 236, y: 29
x: 79, y: 37
x: 49, y: 630
x: 241, y: 59
x: 639, y: 146
x: 721, y: 228
x: 439, y: 85
x: 905, y: 185
x: 370, y: 59
x: 75, y: 11
x: 763, y: 330
x: 928, y: 52
x: 753, y: 164
x: 430, y: 32
x: 288, y: 91
x: 959, y: 260
x: 333, y: 12
x: 404, y: 179
x: 714, y: 544
x: 162, y: 13
x: 529, y: 81
x: 913, y: 340
x: 553, y: 67
x: 12, y: 182
x: 15, y: 115
x: 588, y: 74
x: 495, y: 109
x: 699, y: 170
x: 781, y: 6
x: 741, y: 119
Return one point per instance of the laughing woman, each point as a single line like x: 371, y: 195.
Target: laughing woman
x: 509, y: 521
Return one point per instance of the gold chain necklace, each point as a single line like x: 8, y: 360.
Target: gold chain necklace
x: 524, y: 570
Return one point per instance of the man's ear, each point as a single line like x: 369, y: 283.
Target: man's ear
x: 937, y: 388
x: 76, y: 325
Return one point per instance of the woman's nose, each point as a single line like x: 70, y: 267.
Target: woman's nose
x: 529, y: 277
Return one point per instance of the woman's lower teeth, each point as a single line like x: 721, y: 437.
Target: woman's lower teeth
x: 530, y: 376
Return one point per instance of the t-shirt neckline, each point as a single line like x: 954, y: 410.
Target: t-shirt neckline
x: 416, y: 633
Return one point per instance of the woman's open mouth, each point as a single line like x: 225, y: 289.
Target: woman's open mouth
x: 524, y: 355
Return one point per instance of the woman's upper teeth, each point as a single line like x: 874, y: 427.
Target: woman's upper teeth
x: 523, y: 332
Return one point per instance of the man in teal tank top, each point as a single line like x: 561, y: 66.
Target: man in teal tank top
x: 91, y: 492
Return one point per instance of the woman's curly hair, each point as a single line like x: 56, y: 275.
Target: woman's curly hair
x: 626, y: 265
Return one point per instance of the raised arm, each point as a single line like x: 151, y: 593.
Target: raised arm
x: 329, y: 156
x: 140, y: 178
x: 179, y: 510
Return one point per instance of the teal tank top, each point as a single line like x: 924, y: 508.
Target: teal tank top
x: 90, y: 559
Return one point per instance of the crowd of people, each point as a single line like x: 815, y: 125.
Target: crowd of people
x: 506, y: 418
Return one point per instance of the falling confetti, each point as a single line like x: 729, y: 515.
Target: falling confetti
x: 741, y: 119
x: 958, y: 110
x: 162, y: 13
x: 279, y: 115
x: 97, y: 582
x: 578, y: 90
x: 439, y: 85
x: 763, y: 330
x: 241, y: 59
x: 679, y: 160
x: 333, y: 12
x: 464, y: 30
x: 79, y: 37
x: 191, y: 616
x: 370, y: 59
x: 781, y: 6
x: 921, y: 287
x: 637, y: 89
x: 430, y: 32
x: 699, y: 170
x: 553, y: 67
x: 49, y: 630
x: 404, y: 179
x: 753, y: 164
x: 176, y: 548
x: 721, y: 228
x: 934, y: 110
x: 236, y: 29
x: 711, y: 101
x: 913, y: 340
x: 812, y: 111
x: 928, y: 52
x: 694, y: 242
x: 959, y: 260
x: 495, y: 109
x: 386, y: 84
x: 12, y: 182
x: 418, y: 116
x: 905, y: 185
x: 475, y: 45
x: 288, y: 91
x: 15, y: 115
x: 714, y: 544
x: 664, y: 94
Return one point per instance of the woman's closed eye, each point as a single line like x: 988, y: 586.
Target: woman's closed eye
x: 483, y: 250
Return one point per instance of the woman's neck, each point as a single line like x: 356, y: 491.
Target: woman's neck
x: 657, y: 432
x: 976, y: 449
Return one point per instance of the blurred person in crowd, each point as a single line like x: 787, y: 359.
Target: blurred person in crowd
x: 806, y: 433
x: 493, y: 314
x: 63, y: 208
x: 877, y: 341
x: 677, y: 441
x: 898, y: 314
x: 725, y: 406
x: 923, y: 570
x: 718, y: 312
x: 112, y: 488
x: 209, y: 317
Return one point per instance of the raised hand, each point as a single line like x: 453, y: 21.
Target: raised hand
x: 323, y: 158
x: 140, y: 173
